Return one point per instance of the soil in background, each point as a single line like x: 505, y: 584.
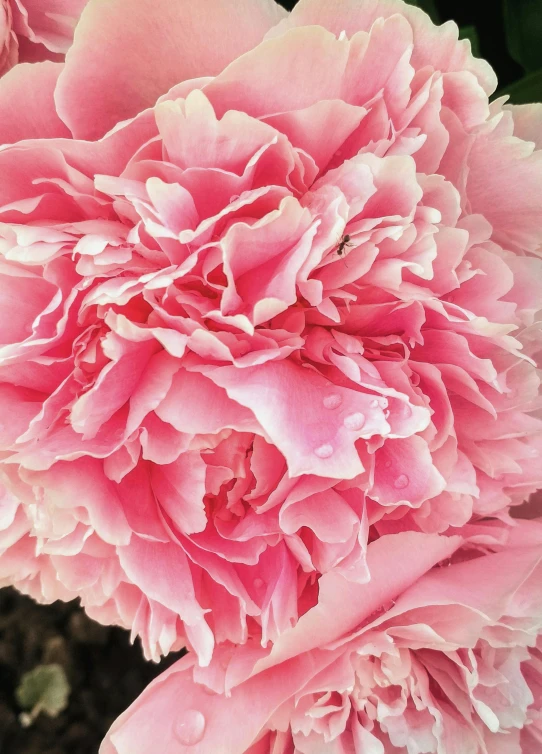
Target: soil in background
x: 106, y: 673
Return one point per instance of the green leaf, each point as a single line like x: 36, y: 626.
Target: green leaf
x: 526, y: 90
x: 470, y: 33
x: 429, y: 6
x: 44, y: 689
x: 523, y: 24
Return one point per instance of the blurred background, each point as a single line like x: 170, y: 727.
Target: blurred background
x: 508, y: 33
x: 63, y: 678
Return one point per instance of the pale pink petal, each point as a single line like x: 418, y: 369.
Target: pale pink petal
x: 312, y: 439
x: 158, y: 568
x: 351, y: 603
x: 199, y: 42
x: 527, y: 122
x: 511, y: 206
x: 437, y: 46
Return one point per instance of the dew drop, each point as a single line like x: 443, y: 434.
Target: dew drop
x: 190, y: 727
x: 387, y: 464
x: 258, y: 583
x: 324, y: 451
x: 401, y: 482
x: 354, y: 421
x: 374, y: 403
x: 234, y: 198
x: 332, y: 401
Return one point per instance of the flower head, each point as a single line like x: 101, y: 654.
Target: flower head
x: 261, y: 303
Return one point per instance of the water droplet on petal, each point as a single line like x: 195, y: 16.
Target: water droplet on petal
x: 332, y: 401
x: 190, y: 727
x: 387, y: 464
x: 258, y: 583
x: 383, y: 403
x: 324, y: 451
x: 234, y: 198
x: 374, y: 403
x: 401, y: 482
x: 354, y: 421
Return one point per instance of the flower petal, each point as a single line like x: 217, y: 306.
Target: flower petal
x: 146, y: 48
x: 27, y: 104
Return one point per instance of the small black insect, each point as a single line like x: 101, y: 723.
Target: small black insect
x: 345, y: 241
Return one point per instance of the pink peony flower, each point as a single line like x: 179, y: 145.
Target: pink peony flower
x: 34, y: 30
x: 262, y: 301
x: 410, y: 663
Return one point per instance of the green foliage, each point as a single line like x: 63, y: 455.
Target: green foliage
x: 527, y: 89
x: 523, y: 25
x: 44, y: 689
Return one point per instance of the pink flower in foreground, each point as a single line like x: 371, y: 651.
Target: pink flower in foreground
x: 32, y: 30
x: 288, y: 308
x: 411, y: 663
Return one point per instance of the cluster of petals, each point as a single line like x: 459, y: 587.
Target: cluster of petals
x: 34, y: 30
x: 267, y: 296
x: 445, y: 661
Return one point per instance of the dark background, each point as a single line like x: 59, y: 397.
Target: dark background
x: 105, y: 673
